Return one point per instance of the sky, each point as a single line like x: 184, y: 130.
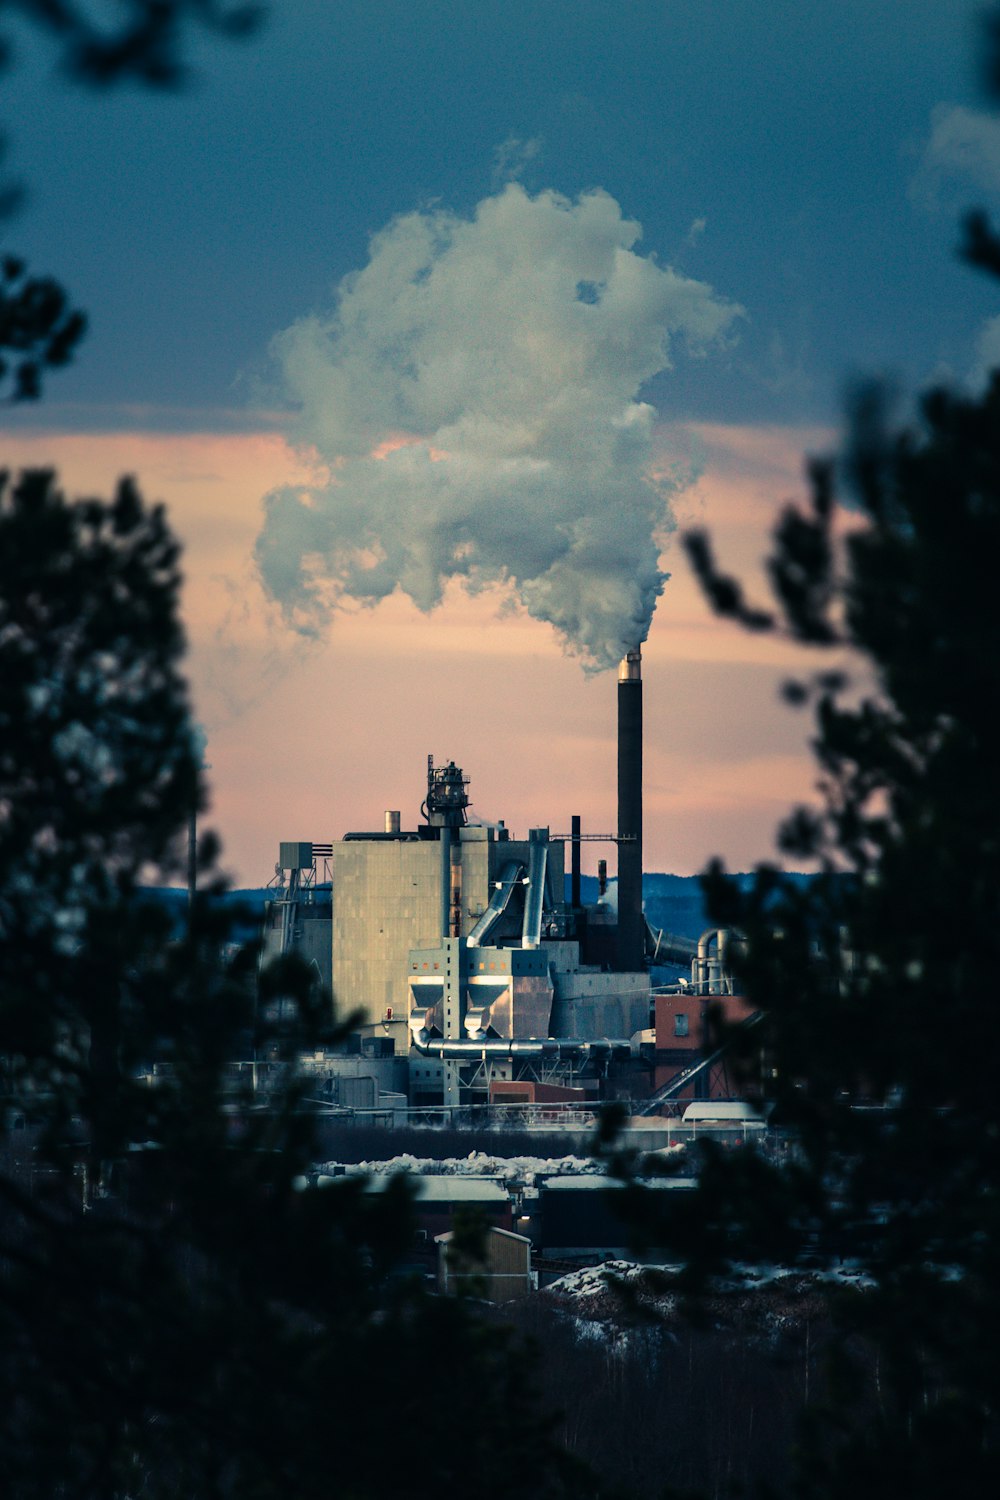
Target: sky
x: 435, y: 324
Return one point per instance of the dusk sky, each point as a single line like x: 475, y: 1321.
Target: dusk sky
x: 433, y: 323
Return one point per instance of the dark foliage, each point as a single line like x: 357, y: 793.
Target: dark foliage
x: 143, y: 42
x: 38, y: 330
x: 178, y: 1316
x: 95, y: 759
x: 876, y: 977
x: 660, y: 1407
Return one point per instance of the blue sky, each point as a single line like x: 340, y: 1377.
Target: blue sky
x: 767, y: 147
x: 371, y: 311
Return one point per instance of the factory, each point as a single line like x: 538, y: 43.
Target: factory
x: 466, y: 956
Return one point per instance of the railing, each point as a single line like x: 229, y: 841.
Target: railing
x: 722, y: 985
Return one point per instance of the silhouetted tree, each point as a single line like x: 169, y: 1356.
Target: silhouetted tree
x: 877, y: 979
x: 137, y: 40
x: 179, y: 1315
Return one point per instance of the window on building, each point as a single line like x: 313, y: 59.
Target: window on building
x: 680, y: 1025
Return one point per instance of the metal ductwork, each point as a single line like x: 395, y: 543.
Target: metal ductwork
x: 631, y: 925
x: 430, y: 1044
x: 670, y: 947
x: 510, y: 875
x: 534, y: 898
x: 710, y: 970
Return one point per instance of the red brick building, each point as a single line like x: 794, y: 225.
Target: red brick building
x: 685, y: 1034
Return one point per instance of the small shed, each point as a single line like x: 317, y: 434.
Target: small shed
x: 501, y: 1275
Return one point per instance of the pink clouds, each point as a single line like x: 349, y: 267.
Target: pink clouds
x: 308, y: 741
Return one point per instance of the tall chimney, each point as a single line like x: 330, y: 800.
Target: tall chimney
x: 631, y: 944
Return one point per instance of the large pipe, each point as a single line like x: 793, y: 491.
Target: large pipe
x: 494, y: 1047
x: 712, y: 973
x: 553, y: 1047
x: 509, y: 877
x: 534, y: 899
x: 631, y: 929
x: 670, y: 947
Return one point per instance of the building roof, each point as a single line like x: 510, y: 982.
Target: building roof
x: 592, y: 1181
x: 445, y: 1189
x: 723, y: 1109
x: 508, y: 1234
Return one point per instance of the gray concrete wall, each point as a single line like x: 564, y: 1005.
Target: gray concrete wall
x: 388, y: 900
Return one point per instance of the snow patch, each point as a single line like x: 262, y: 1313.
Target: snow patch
x: 522, y: 1169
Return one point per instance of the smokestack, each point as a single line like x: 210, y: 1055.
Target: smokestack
x: 574, y: 866
x: 631, y: 945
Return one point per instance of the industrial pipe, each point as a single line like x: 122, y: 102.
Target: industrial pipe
x: 538, y: 853
x: 669, y: 947
x: 556, y: 1048
x: 511, y: 873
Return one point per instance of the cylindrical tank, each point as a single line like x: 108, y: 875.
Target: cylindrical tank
x: 391, y: 821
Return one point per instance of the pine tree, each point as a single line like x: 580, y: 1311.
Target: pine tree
x: 877, y: 979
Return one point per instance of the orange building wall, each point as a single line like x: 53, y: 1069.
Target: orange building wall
x: 680, y: 1046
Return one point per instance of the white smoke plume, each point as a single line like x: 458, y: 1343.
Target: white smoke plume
x: 472, y: 399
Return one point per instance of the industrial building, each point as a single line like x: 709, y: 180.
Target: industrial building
x: 459, y: 948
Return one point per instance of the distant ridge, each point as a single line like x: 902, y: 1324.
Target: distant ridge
x: 674, y: 903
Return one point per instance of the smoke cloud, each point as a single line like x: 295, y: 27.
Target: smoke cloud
x: 472, y: 401
x: 963, y: 148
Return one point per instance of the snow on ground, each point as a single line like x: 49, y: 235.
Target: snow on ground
x: 591, y: 1281
x: 749, y: 1277
x: 525, y: 1169
x: 522, y: 1169
x: 760, y: 1302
